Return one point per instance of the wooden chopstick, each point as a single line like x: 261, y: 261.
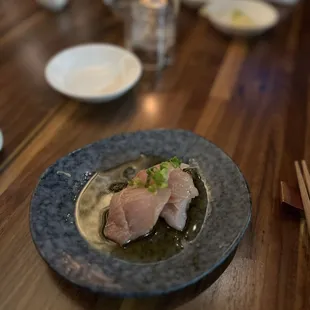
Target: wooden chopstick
x: 306, y: 175
x: 303, y: 189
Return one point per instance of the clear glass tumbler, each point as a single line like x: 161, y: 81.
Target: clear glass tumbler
x: 151, y: 32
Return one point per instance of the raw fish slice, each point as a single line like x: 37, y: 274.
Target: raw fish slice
x: 133, y: 213
x: 181, y: 185
x: 182, y: 191
x: 175, y: 214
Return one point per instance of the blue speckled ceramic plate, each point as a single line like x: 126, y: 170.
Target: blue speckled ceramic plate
x: 57, y: 238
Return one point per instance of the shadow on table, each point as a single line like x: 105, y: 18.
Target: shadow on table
x: 122, y: 108
x: 89, y: 300
x: 150, y: 81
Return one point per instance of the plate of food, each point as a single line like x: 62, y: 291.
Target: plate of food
x: 141, y: 213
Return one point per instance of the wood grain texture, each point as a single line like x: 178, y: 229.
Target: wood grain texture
x: 250, y: 97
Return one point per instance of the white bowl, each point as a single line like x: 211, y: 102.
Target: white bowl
x: 93, y: 73
x: 263, y: 15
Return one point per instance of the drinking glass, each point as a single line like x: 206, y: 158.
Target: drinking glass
x: 150, y: 31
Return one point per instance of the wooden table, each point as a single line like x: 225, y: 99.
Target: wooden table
x: 251, y: 98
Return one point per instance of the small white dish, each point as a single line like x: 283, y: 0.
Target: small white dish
x: 240, y: 17
x: 93, y: 73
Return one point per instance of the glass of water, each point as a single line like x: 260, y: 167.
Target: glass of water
x: 151, y: 32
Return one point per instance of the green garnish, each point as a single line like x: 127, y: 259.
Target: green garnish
x: 136, y: 182
x: 160, y: 177
x: 164, y: 165
x: 157, y: 177
x: 176, y: 162
x: 152, y: 188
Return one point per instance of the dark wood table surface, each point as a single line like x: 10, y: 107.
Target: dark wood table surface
x: 250, y: 97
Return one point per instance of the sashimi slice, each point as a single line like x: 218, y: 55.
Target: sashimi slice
x: 134, y: 212
x: 175, y: 214
x: 181, y: 185
x: 183, y: 191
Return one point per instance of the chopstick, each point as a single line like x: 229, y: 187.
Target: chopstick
x: 304, y: 187
x: 306, y: 175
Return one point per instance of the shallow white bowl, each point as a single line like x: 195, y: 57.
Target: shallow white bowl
x: 93, y: 73
x: 264, y: 16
